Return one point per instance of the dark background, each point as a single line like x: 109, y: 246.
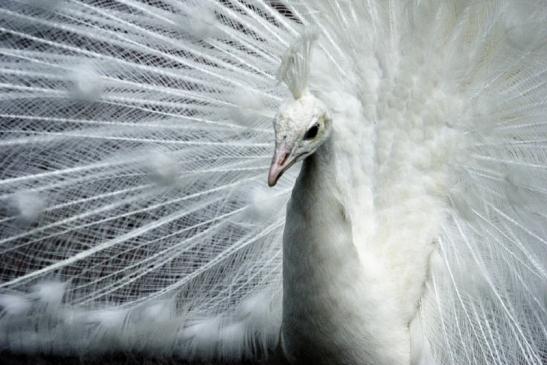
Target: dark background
x: 119, y: 359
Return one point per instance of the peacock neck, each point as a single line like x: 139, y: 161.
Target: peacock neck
x: 330, y: 303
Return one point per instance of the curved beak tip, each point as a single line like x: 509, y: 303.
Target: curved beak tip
x: 274, y: 174
x: 280, y: 163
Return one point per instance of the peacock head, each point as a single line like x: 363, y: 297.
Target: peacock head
x: 301, y: 126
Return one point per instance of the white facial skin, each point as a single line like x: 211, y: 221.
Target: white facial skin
x: 301, y: 126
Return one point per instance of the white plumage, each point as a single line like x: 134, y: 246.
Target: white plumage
x: 135, y: 142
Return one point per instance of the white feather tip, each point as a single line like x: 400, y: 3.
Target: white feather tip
x: 86, y: 81
x: 28, y: 205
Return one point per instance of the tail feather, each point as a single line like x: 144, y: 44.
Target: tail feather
x: 39, y: 321
x: 136, y: 136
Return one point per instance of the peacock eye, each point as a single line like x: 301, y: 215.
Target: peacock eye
x: 312, y: 132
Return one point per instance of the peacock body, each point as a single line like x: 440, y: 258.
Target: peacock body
x: 135, y: 215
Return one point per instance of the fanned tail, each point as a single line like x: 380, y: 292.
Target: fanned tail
x: 135, y: 138
x: 135, y: 141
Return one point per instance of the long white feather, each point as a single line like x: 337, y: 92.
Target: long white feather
x: 135, y: 136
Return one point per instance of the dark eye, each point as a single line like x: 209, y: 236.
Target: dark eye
x: 312, y: 132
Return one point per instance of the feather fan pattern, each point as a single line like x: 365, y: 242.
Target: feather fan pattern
x: 135, y: 138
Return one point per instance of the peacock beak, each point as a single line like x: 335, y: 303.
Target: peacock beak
x: 280, y: 163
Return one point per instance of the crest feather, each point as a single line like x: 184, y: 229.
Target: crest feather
x: 294, y: 70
